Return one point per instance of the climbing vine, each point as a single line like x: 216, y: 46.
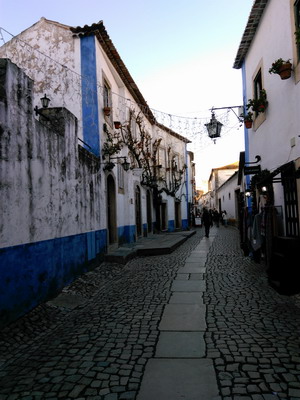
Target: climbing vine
x: 143, y: 151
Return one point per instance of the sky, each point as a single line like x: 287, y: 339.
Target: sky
x: 179, y: 53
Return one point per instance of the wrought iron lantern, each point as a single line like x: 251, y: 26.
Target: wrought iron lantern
x: 125, y: 164
x: 214, y: 127
x: 45, y: 101
x: 110, y: 164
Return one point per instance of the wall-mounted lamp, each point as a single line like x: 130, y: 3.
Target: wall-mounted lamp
x: 110, y: 164
x: 45, y: 104
x: 264, y: 189
x: 45, y: 101
x: 248, y: 193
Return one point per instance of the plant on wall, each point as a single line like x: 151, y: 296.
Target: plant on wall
x: 113, y: 144
x: 259, y: 104
x: 171, y: 183
x: 297, y: 36
x: 281, y: 67
x: 248, y: 119
x: 143, y: 151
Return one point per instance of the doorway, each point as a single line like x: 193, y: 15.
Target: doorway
x: 111, y: 211
x: 177, y: 214
x: 164, y: 216
x: 149, y: 212
x: 138, y: 212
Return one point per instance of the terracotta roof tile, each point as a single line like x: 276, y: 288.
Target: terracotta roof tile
x: 102, y: 36
x: 250, y: 30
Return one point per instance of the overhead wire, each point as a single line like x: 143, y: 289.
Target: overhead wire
x: 193, y: 128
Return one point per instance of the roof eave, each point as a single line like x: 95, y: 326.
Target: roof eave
x: 250, y: 31
x: 107, y: 45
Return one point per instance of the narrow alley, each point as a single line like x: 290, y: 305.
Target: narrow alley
x: 103, y: 344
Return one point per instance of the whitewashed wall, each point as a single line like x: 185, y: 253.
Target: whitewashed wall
x: 227, y: 195
x: 274, y: 39
x: 59, y: 76
x: 45, y: 185
x: 49, y: 55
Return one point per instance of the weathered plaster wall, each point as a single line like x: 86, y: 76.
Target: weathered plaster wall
x: 50, y: 56
x: 50, y: 199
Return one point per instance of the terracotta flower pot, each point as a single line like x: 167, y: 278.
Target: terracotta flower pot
x: 248, y: 124
x: 117, y: 124
x: 285, y: 71
x: 106, y: 111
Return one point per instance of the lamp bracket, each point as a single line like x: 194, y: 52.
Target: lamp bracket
x: 258, y: 159
x: 229, y: 108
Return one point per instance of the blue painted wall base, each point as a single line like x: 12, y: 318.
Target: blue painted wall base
x: 35, y: 272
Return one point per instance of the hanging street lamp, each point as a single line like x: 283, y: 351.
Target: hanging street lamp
x: 214, y: 127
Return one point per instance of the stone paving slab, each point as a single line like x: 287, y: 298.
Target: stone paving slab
x: 180, y: 345
x: 179, y: 379
x: 191, y: 269
x: 186, y: 298
x: 205, y: 243
x: 183, y: 317
x: 188, y: 286
x: 182, y: 277
x: 195, y: 259
x: 196, y: 277
x: 199, y: 261
x: 199, y: 252
x: 67, y: 300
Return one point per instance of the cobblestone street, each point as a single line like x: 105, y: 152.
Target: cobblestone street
x: 99, y: 349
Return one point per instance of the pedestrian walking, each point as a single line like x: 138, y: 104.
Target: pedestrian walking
x: 216, y: 217
x: 207, y: 221
x: 224, y: 218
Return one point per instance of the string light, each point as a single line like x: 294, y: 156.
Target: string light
x: 68, y: 87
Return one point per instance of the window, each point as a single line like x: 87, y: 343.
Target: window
x: 162, y: 157
x: 259, y: 97
x: 297, y: 23
x: 229, y: 196
x: 107, y: 103
x: 133, y: 127
x: 175, y: 162
x: 257, y: 85
x: 120, y: 176
x: 106, y: 95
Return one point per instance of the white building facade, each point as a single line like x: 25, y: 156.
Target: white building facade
x: 216, y: 179
x: 272, y: 144
x: 228, y: 195
x: 87, y: 202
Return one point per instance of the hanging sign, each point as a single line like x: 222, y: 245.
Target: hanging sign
x: 252, y: 170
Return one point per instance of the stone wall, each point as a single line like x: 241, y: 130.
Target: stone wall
x: 49, y: 195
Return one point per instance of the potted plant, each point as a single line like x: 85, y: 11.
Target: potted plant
x: 297, y: 36
x: 248, y: 120
x: 107, y: 111
x: 260, y: 104
x: 109, y: 166
x: 281, y: 67
x: 117, y: 124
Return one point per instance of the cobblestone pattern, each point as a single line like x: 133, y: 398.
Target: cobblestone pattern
x: 253, y: 332
x: 99, y: 350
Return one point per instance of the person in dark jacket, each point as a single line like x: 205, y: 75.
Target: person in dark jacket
x: 216, y: 217
x: 207, y: 221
